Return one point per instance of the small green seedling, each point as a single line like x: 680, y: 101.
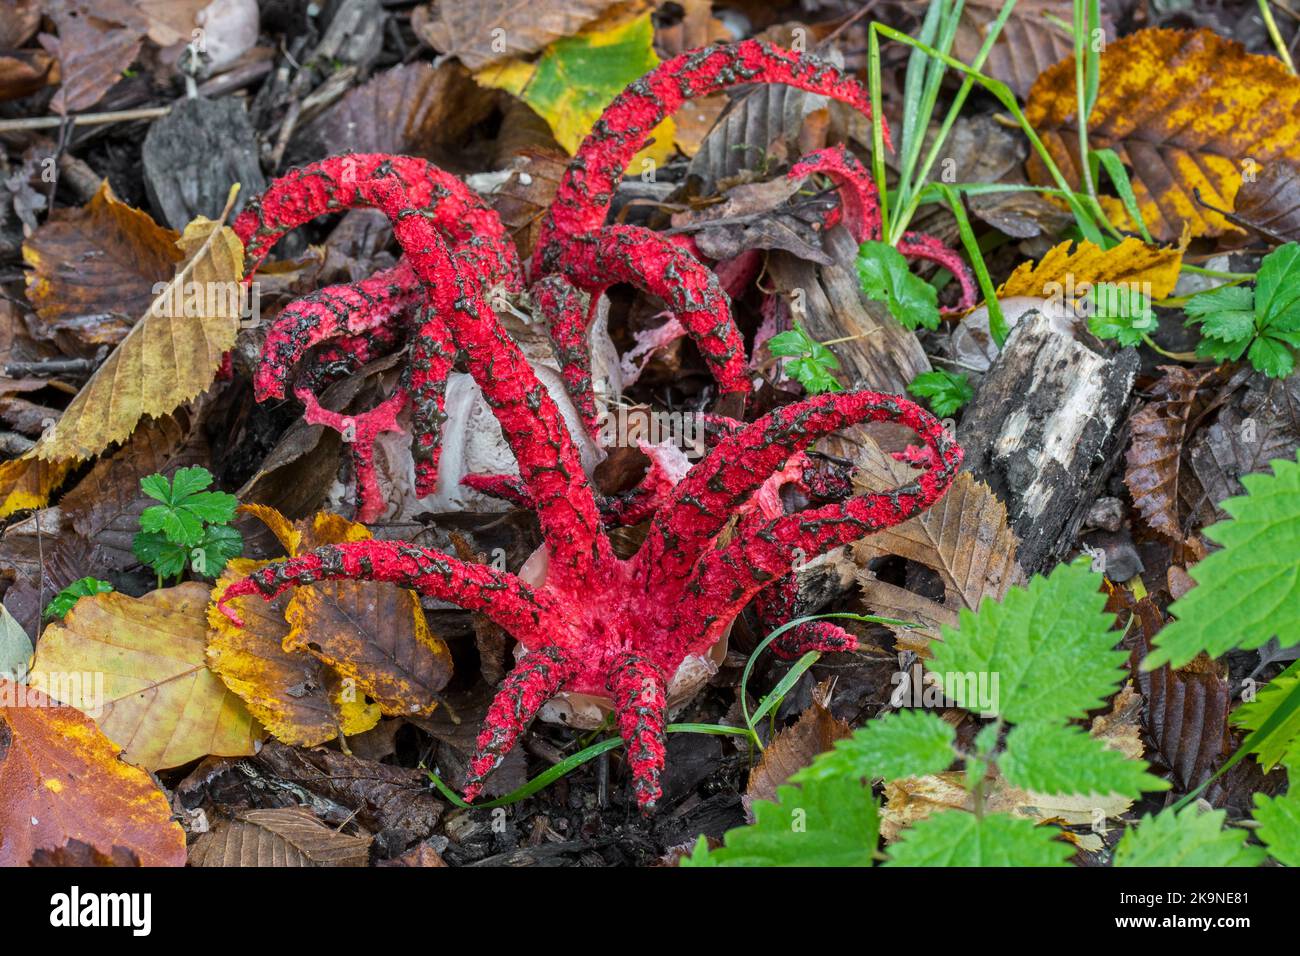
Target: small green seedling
x: 190, y: 526
x: 74, y: 592
x: 1262, y: 323
x: 810, y: 362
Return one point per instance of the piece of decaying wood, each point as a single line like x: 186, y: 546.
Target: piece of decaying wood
x: 883, y: 356
x: 194, y: 155
x: 1042, y: 429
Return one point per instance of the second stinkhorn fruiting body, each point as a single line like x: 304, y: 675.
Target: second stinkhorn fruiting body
x: 598, y: 623
x: 361, y: 318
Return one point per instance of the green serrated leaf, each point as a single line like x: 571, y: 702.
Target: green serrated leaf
x: 791, y: 343
x: 1275, y: 711
x: 1062, y: 760
x: 166, y: 558
x: 1185, y: 838
x: 175, y: 522
x: 1279, y: 825
x: 1277, y: 287
x: 188, y: 481
x: 213, y: 507
x: 1235, y: 300
x: 831, y: 822
x: 1249, y: 591
x: 157, y: 487
x: 958, y: 838
x: 1044, y: 652
x: 1121, y: 312
x: 906, y: 743
x: 74, y: 592
x: 884, y: 276
x: 810, y: 363
x: 946, y: 391
x: 220, y: 543
x: 1271, y: 356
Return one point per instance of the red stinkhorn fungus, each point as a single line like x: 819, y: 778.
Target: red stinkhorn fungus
x: 354, y: 314
x: 860, y: 209
x: 575, y: 250
x: 600, y: 624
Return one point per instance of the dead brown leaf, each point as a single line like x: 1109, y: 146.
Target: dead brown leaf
x: 1259, y: 423
x: 524, y: 198
x: 19, y: 21
x: 1186, y: 717
x: 1186, y: 110
x: 416, y: 109
x: 298, y: 699
x: 97, y: 40
x: 488, y: 31
x: 77, y: 853
x: 794, y: 748
x: 285, y: 837
x: 964, y: 539
x: 153, y: 693
x: 394, y: 803
x: 1030, y: 41
x: 1270, y: 202
x: 1155, y: 449
x: 100, y: 260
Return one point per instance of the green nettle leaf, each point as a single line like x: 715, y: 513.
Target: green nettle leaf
x: 823, y: 823
x: 1044, y: 652
x: 1056, y: 760
x: 810, y: 363
x: 1276, y: 712
x: 945, y: 390
x: 1279, y: 825
x: 74, y: 592
x: 906, y: 743
x: 1188, y: 838
x: 958, y: 838
x: 885, y: 277
x: 1247, y: 592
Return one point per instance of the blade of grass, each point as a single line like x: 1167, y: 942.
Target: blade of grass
x: 1275, y: 35
x: 877, y: 127
x: 571, y: 763
x: 997, y: 322
x: 949, y: 18
x: 1001, y: 92
x: 749, y: 664
x: 1114, y: 167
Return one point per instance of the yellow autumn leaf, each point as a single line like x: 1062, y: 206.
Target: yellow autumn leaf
x: 170, y: 354
x: 1131, y: 262
x: 298, y: 699
x: 372, y: 634
x: 1185, y: 110
x: 575, y: 78
x: 144, y: 678
x: 27, y: 483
